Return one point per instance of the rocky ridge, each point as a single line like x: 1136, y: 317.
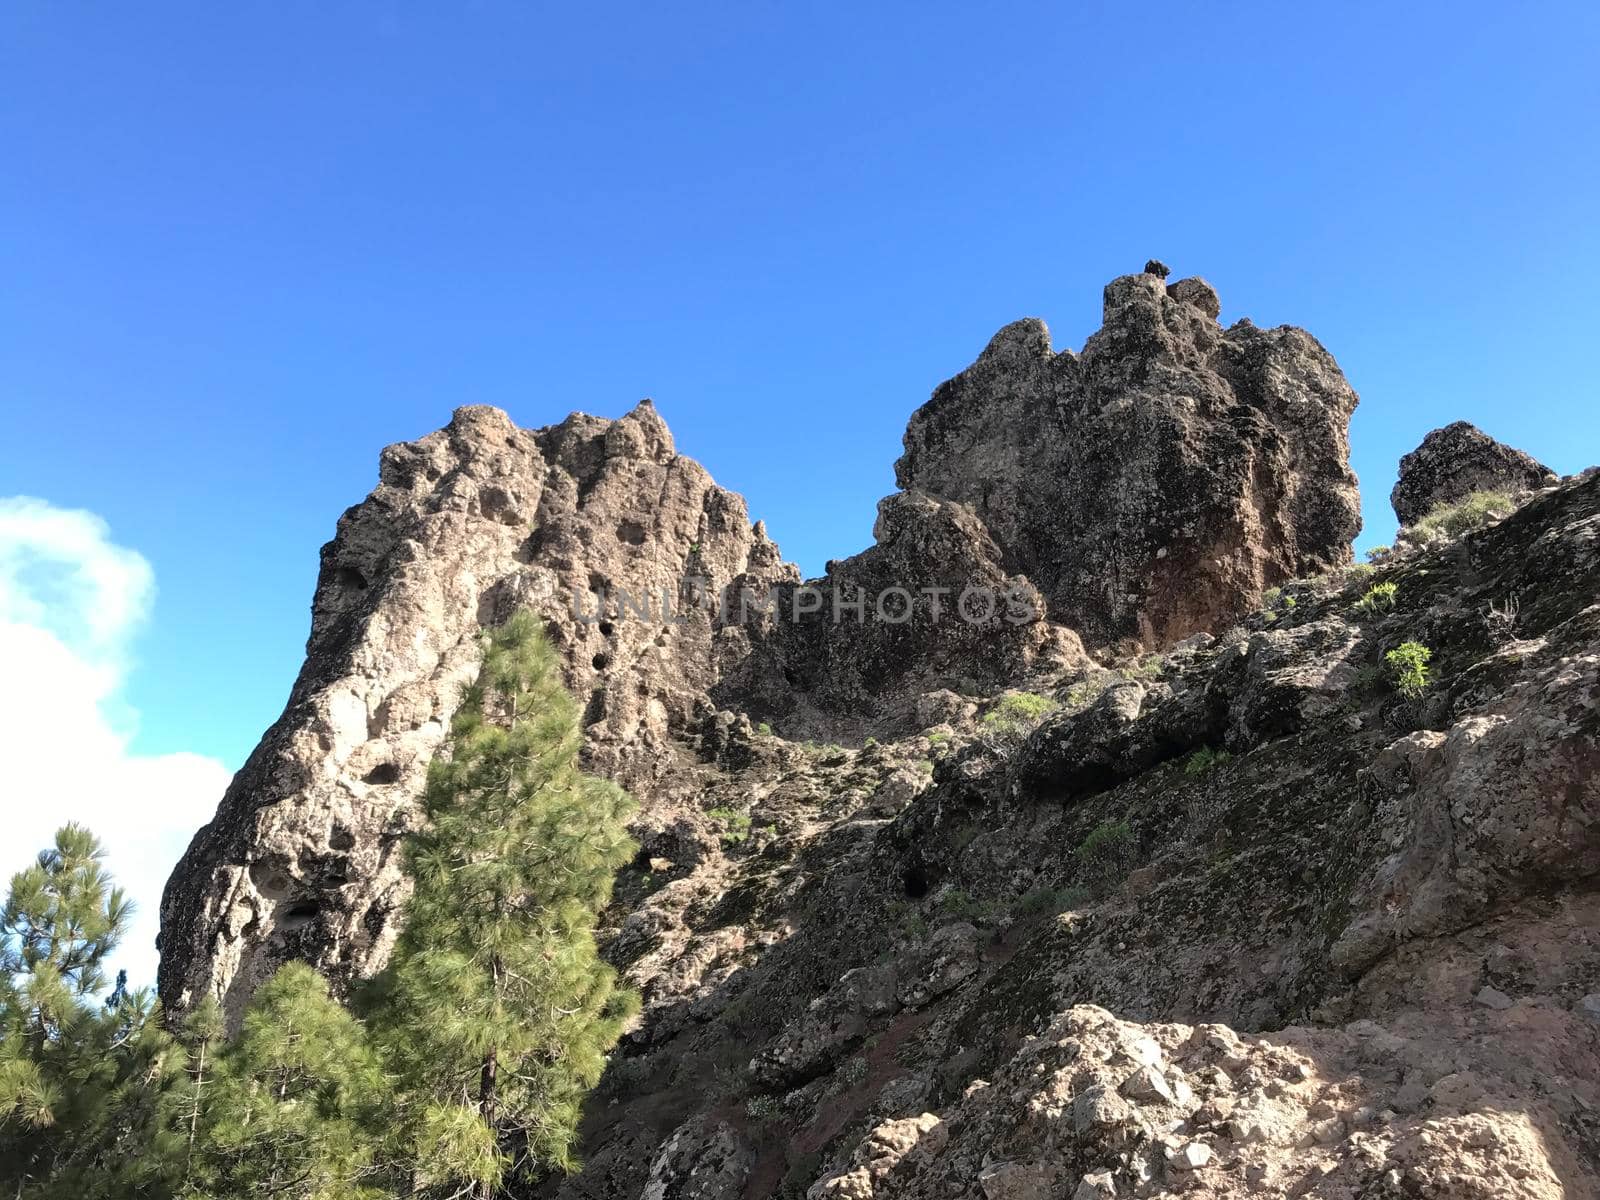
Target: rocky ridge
x: 1098, y: 910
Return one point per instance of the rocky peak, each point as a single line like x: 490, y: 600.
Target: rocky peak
x: 465, y: 526
x: 1455, y: 461
x: 1147, y: 488
x: 1157, y: 483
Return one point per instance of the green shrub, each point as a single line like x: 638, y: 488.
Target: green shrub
x: 957, y: 903
x: 869, y: 743
x: 938, y: 737
x: 1147, y: 668
x: 736, y: 824
x: 923, y: 766
x: 1203, y: 759
x: 1016, y: 713
x: 851, y: 1074
x: 1380, y: 597
x: 1081, y: 695
x: 1408, y: 667
x: 764, y: 729
x: 1378, y: 554
x: 764, y: 1108
x: 1275, y: 603
x: 1453, y: 520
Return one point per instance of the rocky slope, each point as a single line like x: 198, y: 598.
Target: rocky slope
x: 1161, y: 889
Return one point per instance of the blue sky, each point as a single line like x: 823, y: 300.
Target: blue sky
x: 244, y: 246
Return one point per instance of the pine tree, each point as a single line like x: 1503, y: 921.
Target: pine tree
x: 83, y: 1083
x: 297, y: 1104
x: 200, y: 1031
x: 497, y: 1009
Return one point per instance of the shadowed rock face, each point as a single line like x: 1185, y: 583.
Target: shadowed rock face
x: 1350, y: 958
x: 1155, y: 484
x: 1452, y: 463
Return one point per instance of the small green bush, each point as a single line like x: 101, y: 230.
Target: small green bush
x: 1408, y: 666
x: 1017, y: 713
x: 1453, y: 520
x: 962, y: 906
x: 1380, y: 597
x: 1148, y: 668
x: 1081, y: 695
x: 764, y: 1108
x: 852, y: 1074
x: 736, y: 825
x: 869, y: 743
x: 1203, y: 759
x: 764, y: 729
x: 923, y: 766
x: 938, y: 737
x: 1275, y: 603
x: 1378, y: 554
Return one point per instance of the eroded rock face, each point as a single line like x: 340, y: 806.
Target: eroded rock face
x: 466, y: 525
x: 929, y: 607
x: 1147, y: 488
x: 1153, y: 485
x: 1455, y: 461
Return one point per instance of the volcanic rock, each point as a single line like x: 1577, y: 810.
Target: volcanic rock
x: 1455, y: 461
x: 1156, y: 484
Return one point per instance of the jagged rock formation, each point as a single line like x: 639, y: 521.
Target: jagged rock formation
x: 1237, y: 919
x: 464, y: 527
x: 1455, y: 461
x: 641, y: 567
x: 1156, y: 484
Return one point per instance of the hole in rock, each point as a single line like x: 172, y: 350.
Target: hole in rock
x: 631, y: 532
x: 915, y: 882
x: 605, y: 628
x: 601, y: 661
x: 385, y: 772
x: 269, y: 880
x: 349, y: 577
x: 299, y: 914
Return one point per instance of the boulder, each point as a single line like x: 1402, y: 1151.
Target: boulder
x: 1452, y: 463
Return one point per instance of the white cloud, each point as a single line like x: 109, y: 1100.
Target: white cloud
x: 71, y: 602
